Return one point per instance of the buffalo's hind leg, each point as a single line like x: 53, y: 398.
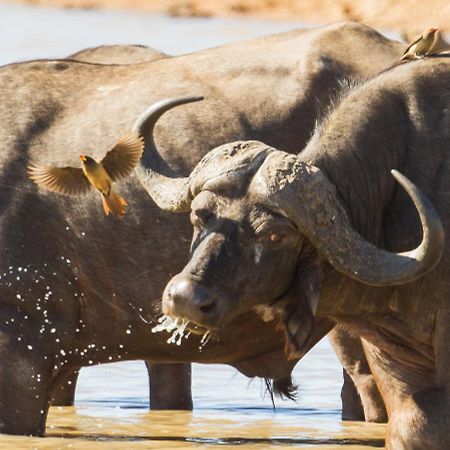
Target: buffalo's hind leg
x: 170, y: 386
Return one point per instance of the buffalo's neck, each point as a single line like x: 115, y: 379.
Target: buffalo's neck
x: 367, y: 136
x: 357, y: 149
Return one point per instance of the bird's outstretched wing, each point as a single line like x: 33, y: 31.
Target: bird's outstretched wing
x: 121, y: 160
x: 63, y: 180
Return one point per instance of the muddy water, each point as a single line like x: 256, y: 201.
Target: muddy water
x: 111, y: 412
x: 112, y: 400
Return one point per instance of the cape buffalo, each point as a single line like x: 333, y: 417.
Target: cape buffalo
x: 170, y: 384
x: 75, y: 285
x: 327, y: 233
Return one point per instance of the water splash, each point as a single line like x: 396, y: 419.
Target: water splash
x: 205, y: 339
x: 175, y: 326
x: 178, y: 329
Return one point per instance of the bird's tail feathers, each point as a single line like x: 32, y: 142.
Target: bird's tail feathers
x: 114, y: 204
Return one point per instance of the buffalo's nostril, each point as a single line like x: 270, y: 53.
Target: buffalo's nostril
x: 202, y: 296
x: 208, y: 309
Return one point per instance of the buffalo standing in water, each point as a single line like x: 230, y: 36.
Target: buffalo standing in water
x: 327, y: 234
x: 88, y: 280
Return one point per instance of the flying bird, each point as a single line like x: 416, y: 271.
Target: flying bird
x: 422, y: 45
x: 117, y: 164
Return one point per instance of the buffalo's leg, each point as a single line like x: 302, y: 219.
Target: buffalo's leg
x: 26, y: 380
x: 361, y: 398
x: 170, y: 386
x: 64, y: 393
x: 419, y: 413
x: 352, y: 408
x: 417, y: 401
x: 421, y: 421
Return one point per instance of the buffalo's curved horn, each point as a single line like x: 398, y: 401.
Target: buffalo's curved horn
x: 170, y: 192
x: 306, y: 196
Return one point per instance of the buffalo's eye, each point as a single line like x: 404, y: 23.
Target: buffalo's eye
x: 274, y: 231
x: 275, y: 234
x: 201, y: 217
x: 276, y: 237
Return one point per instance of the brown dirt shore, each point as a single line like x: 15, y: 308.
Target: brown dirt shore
x: 407, y: 16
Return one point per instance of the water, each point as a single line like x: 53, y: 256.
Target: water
x: 112, y: 400
x: 28, y: 32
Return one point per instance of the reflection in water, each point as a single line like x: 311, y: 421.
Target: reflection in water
x: 112, y: 401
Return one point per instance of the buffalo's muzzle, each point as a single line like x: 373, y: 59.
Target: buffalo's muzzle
x: 191, y: 300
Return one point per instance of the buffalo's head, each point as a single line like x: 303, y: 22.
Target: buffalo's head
x: 266, y: 227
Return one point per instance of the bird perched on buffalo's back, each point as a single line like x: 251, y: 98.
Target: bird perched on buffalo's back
x: 118, y: 163
x: 427, y: 43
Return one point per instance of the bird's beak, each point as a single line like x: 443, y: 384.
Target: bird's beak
x: 83, y: 158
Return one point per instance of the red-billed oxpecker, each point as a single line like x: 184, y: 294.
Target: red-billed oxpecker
x: 427, y: 43
x: 118, y: 163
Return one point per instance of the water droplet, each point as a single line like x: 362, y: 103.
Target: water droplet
x: 176, y: 326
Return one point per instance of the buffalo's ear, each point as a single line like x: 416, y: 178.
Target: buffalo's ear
x: 301, y: 306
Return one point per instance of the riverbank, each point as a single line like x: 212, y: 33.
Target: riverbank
x: 406, y: 16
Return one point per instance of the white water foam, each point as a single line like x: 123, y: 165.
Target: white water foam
x: 178, y: 329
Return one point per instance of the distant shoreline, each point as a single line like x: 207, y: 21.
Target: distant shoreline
x: 407, y: 16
